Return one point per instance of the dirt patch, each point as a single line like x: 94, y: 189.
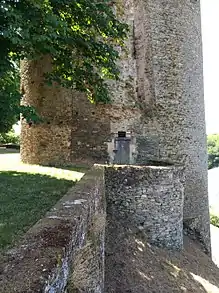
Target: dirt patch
x: 134, y: 266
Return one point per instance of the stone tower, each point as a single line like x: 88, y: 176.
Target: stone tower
x: 157, y: 111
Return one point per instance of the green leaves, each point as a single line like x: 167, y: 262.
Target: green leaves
x: 214, y: 220
x: 213, y: 151
x: 80, y: 36
x: 9, y: 100
x: 30, y: 114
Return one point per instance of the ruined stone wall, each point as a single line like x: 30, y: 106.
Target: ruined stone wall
x: 50, y: 141
x: 158, y: 103
x: 95, y: 127
x: 149, y: 199
x: 90, y: 131
x: 159, y: 100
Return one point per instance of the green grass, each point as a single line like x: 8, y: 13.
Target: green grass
x: 27, y: 192
x: 214, y: 216
x: 214, y: 220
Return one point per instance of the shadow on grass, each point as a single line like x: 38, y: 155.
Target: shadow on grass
x: 8, y: 151
x: 71, y: 167
x: 24, y: 199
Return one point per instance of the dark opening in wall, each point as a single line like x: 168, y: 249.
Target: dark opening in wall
x: 121, y: 134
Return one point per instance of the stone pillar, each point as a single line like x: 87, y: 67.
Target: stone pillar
x: 148, y: 198
x: 50, y: 141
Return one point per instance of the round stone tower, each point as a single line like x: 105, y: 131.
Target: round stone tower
x: 178, y: 112
x: 47, y: 142
x: 157, y: 111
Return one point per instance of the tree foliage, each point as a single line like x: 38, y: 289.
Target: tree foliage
x: 9, y: 100
x: 10, y: 96
x: 9, y: 138
x: 213, y: 151
x: 214, y: 220
x: 79, y: 35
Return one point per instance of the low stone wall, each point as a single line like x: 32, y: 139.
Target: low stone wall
x: 149, y: 198
x: 63, y: 252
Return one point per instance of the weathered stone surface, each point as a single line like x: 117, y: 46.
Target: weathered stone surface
x: 50, y: 141
x: 179, y: 110
x: 148, y: 198
x: 163, y: 110
x: 45, y: 259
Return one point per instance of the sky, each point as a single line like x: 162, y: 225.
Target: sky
x: 210, y: 36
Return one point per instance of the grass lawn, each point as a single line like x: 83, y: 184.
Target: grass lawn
x: 26, y: 193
